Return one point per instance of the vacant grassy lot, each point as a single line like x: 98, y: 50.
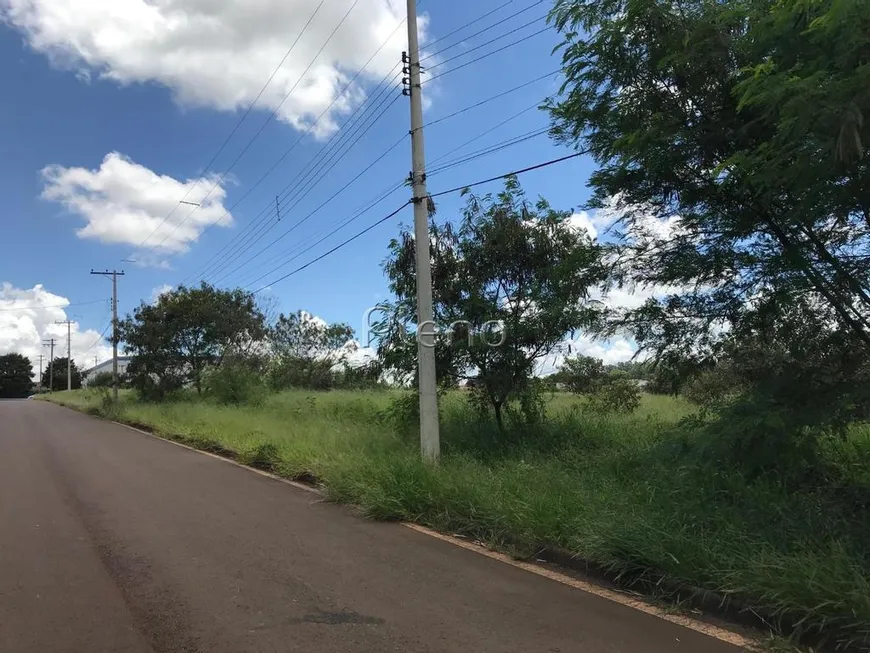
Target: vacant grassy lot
x: 625, y: 492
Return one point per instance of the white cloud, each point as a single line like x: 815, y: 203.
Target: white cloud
x: 28, y: 316
x: 159, y: 291
x: 123, y: 202
x: 219, y: 53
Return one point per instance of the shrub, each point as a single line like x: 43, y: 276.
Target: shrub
x: 617, y: 396
x: 293, y: 372
x: 235, y: 382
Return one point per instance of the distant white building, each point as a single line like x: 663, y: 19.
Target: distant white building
x: 105, y: 366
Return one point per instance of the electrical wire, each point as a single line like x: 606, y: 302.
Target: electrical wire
x: 352, y: 123
x: 479, y: 32
x: 299, y: 194
x: 488, y: 54
x: 359, y: 234
x: 522, y: 138
x: 489, y: 99
x: 320, y: 207
x: 335, y: 249
x: 239, y: 123
x: 490, y: 42
x: 263, y: 215
x: 482, y: 134
x: 310, y: 243
x: 39, y: 308
x: 268, y: 120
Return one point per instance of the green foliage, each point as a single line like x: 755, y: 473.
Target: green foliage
x: 235, y: 381
x: 509, y: 282
x: 59, y: 371
x: 186, y: 331
x: 16, y: 376
x: 625, y: 492
x: 290, y: 372
x: 308, y: 352
x: 101, y: 380
x: 615, y: 395
x: 730, y: 138
x: 582, y: 374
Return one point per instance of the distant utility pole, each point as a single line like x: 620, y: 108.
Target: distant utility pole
x: 39, y: 382
x: 50, y: 343
x: 68, y: 353
x: 430, y: 439
x: 114, y: 274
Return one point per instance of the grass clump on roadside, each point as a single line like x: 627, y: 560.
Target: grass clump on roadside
x: 627, y: 493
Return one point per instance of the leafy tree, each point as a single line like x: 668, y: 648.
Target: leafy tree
x: 614, y: 395
x: 16, y: 376
x: 187, y: 330
x: 510, y: 283
x: 307, y: 350
x: 58, y: 370
x: 583, y: 374
x: 101, y: 380
x: 740, y: 127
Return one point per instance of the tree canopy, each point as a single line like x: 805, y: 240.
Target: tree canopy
x: 54, y: 376
x: 306, y: 350
x: 510, y: 281
x: 16, y: 376
x: 730, y: 142
x: 175, y: 339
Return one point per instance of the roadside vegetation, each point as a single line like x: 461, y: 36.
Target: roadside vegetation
x: 631, y: 493
x: 731, y: 179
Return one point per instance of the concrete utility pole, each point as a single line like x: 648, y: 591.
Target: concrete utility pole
x: 430, y: 439
x: 39, y: 382
x: 114, y: 274
x: 68, y: 353
x: 50, y: 343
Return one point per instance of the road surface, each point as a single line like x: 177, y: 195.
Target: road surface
x: 113, y: 541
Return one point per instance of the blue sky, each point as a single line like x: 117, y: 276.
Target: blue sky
x: 88, y: 80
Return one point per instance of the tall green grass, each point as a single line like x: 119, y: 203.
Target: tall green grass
x: 624, y: 492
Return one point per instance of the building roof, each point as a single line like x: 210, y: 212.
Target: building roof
x: 100, y: 366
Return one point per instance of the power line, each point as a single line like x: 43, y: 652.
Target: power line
x: 321, y: 206
x: 469, y: 24
x: 488, y: 54
x: 492, y: 149
x: 265, y: 123
x: 484, y: 133
x: 356, y: 115
x: 336, y: 248
x: 490, y: 99
x: 397, y: 211
x: 490, y: 42
x: 310, y: 186
x: 263, y: 214
x: 39, y: 308
x: 356, y: 118
x: 464, y: 159
x: 508, y: 174
x: 239, y: 123
x: 307, y: 245
x: 479, y: 32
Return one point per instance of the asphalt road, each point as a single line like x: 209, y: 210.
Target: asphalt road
x: 113, y: 541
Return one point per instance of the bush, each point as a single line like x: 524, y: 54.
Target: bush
x: 617, y: 396
x: 235, y: 382
x: 292, y: 372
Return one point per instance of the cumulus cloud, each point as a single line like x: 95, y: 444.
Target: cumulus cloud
x: 123, y: 202
x: 159, y: 291
x: 28, y: 316
x: 219, y: 53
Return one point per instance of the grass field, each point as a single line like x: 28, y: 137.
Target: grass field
x: 624, y: 492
